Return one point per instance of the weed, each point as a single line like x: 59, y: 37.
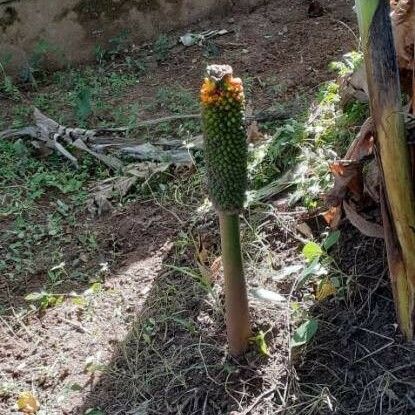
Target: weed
x: 82, y: 105
x: 119, y: 43
x: 138, y: 66
x: 248, y: 82
x: 351, y: 61
x: 44, y: 300
x: 89, y: 91
x: 278, y: 154
x: 89, y: 241
x: 306, y: 145
x: 100, y: 54
x: 21, y: 114
x: 116, y: 46
x: 177, y: 100
x: 40, y: 203
x: 8, y: 87
x: 321, y: 268
x: 211, y: 50
x: 162, y: 48
x: 35, y: 70
x: 126, y: 115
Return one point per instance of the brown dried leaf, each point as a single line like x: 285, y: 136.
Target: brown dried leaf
x: 209, y: 265
x: 348, y: 176
x: 333, y: 216
x: 305, y: 230
x: 253, y: 133
x: 370, y: 229
x: 325, y: 289
x: 362, y: 145
x: 27, y: 403
x: 372, y: 180
x: 403, y: 24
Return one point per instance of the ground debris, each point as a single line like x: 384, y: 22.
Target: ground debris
x: 357, y: 182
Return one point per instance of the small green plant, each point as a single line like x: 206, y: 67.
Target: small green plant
x: 44, y: 299
x: 318, y: 268
x: 279, y: 153
x: 8, y: 87
x: 138, y: 66
x: 83, y: 105
x: 41, y: 200
x: 162, y: 48
x: 304, y: 333
x: 88, y: 91
x: 351, y: 61
x: 119, y: 43
x: 261, y: 343
x: 318, y: 260
x: 116, y: 46
x: 176, y: 100
x: 100, y: 54
x: 35, y: 70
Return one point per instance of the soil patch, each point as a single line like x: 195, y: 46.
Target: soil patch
x: 358, y: 363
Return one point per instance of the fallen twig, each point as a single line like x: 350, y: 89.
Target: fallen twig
x: 76, y: 325
x: 259, y: 398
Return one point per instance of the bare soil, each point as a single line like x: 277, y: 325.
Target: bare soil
x: 152, y: 341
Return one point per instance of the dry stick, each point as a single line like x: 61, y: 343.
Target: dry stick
x: 399, y: 199
x: 166, y: 119
x: 33, y: 131
x: 259, y: 399
x: 76, y: 325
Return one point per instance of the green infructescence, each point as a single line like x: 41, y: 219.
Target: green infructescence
x: 226, y: 150
x: 223, y: 109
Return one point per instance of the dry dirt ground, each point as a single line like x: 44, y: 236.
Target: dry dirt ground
x: 151, y: 340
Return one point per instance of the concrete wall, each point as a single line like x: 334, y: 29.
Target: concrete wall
x: 70, y: 30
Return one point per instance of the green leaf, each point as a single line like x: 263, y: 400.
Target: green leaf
x: 312, y: 250
x: 332, y: 239
x: 259, y: 339
x: 304, y: 333
x: 76, y: 387
x: 94, y: 411
x: 81, y: 301
x: 95, y: 288
x: 37, y: 296
x: 313, y: 268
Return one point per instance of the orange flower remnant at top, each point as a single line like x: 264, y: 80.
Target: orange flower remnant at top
x: 223, y: 92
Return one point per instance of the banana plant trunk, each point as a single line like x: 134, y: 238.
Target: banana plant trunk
x: 398, y: 200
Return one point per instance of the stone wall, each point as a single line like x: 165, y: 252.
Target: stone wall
x: 70, y: 30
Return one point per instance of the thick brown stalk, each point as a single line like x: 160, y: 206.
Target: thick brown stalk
x: 236, y: 301
x: 399, y: 204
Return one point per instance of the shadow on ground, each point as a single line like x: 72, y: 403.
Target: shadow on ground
x: 76, y: 336
x: 358, y: 363
x: 174, y: 359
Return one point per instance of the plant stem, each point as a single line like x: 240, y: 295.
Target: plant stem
x: 236, y: 300
x: 398, y: 207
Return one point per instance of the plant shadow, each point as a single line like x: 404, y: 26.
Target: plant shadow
x: 174, y: 358
x: 358, y: 362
